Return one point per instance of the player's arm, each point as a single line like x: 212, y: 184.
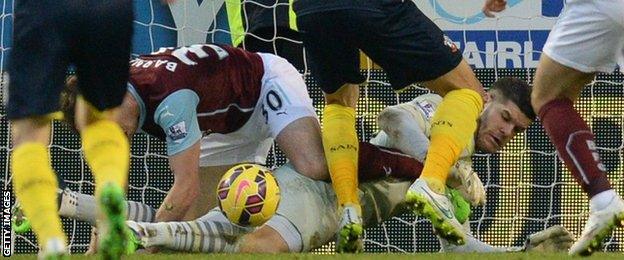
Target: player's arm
x: 555, y: 239
x: 178, y: 118
x: 405, y: 125
x: 401, y: 124
x: 552, y: 239
x: 185, y: 189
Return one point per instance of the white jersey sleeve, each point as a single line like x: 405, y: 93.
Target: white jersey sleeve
x: 420, y: 112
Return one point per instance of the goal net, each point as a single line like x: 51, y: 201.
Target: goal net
x: 528, y: 188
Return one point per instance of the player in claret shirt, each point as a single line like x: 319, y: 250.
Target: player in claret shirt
x: 302, y: 227
x: 588, y: 38
x: 216, y: 106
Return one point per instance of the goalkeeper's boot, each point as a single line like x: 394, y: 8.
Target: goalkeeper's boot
x: 54, y: 249
x: 349, y: 238
x: 115, y: 233
x: 437, y: 208
x: 19, y: 223
x: 599, y: 225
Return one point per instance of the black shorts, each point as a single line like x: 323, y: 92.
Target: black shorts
x: 396, y: 35
x: 93, y: 35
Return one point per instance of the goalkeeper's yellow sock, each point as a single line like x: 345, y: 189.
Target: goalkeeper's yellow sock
x: 107, y: 152
x: 452, y: 129
x: 341, y: 146
x: 35, y: 187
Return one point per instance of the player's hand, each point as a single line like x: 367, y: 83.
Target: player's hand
x: 493, y: 6
x: 552, y: 239
x: 467, y: 182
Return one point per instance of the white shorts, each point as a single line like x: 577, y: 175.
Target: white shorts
x: 589, y: 36
x: 283, y: 99
x: 307, y: 218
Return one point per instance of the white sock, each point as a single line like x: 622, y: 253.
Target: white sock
x: 80, y: 206
x: 212, y: 233
x: 601, y: 200
x: 140, y: 212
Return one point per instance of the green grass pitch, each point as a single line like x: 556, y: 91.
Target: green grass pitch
x: 393, y: 256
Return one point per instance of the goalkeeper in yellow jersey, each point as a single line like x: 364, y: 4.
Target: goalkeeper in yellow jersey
x: 47, y: 36
x: 410, y: 48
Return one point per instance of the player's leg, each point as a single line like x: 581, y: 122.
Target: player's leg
x: 301, y: 142
x: 335, y: 65
x: 556, y: 87
x: 452, y: 132
x: 37, y: 67
x: 414, y: 50
x: 83, y: 207
x: 303, y: 226
x: 34, y: 181
x: 263, y: 240
x: 587, y: 38
x: 212, y: 233
x: 291, y: 118
x: 377, y: 162
x: 101, y: 55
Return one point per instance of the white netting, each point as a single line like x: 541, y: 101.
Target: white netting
x: 528, y: 188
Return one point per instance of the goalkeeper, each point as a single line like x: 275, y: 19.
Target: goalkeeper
x: 297, y: 228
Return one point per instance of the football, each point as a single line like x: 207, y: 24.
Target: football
x: 248, y: 195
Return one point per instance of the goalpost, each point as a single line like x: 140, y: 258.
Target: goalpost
x: 528, y: 188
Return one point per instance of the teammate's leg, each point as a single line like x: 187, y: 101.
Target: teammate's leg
x: 452, y: 132
x: 556, y: 87
x: 37, y: 67
x: 411, y: 49
x: 101, y: 60
x: 339, y: 138
x: 340, y: 143
x: 35, y: 183
x: 107, y: 151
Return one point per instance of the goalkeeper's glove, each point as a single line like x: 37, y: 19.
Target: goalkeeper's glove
x: 467, y: 182
x: 552, y: 239
x: 461, y: 206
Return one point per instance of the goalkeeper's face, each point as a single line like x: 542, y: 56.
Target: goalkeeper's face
x: 500, y: 121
